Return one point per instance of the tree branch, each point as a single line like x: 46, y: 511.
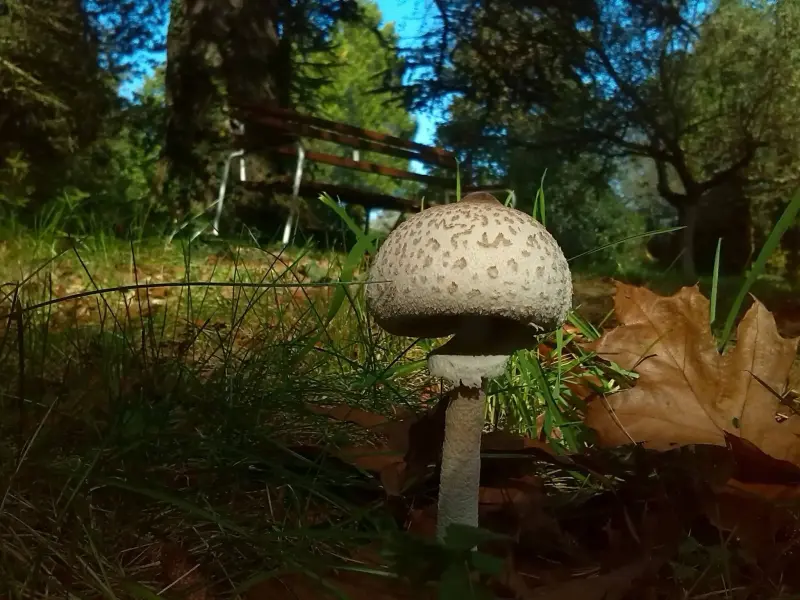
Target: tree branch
x: 581, y: 136
x: 664, y: 190
x: 726, y: 174
x: 440, y: 4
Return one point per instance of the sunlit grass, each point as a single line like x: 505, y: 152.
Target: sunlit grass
x: 155, y: 410
x: 141, y: 417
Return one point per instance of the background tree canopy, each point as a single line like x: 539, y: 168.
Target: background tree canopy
x: 363, y: 57
x: 641, y: 113
x: 703, y: 90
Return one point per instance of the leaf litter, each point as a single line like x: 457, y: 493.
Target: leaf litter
x: 723, y: 424
x: 718, y: 431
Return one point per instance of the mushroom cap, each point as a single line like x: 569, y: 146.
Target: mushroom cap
x: 473, y: 258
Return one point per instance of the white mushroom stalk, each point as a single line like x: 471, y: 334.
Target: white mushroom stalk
x: 461, y: 460
x: 488, y: 275
x: 460, y: 476
x: 477, y: 352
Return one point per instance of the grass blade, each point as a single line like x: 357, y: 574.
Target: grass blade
x: 623, y: 240
x: 342, y: 214
x: 715, y: 284
x: 538, y: 203
x: 788, y: 218
x: 458, y: 181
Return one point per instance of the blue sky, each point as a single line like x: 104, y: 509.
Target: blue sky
x: 410, y: 18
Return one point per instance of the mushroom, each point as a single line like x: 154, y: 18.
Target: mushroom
x: 490, y: 276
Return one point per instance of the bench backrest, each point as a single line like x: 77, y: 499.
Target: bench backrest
x: 301, y: 125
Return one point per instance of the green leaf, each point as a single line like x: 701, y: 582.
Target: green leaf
x: 629, y: 238
x: 456, y: 584
x: 464, y: 537
x: 361, y: 236
x: 486, y: 563
x: 715, y: 284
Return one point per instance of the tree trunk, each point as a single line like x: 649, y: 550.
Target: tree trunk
x: 219, y: 54
x: 257, y: 66
x: 687, y: 218
x: 194, y: 101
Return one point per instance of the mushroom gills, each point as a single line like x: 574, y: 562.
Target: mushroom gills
x: 479, y: 350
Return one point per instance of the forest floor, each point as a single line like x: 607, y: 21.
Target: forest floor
x: 257, y: 438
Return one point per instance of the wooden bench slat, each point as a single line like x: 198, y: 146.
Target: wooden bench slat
x: 283, y: 121
x: 290, y: 115
x: 369, y: 167
x: 299, y: 129
x: 350, y: 195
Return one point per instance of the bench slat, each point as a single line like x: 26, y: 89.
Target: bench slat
x: 299, y: 129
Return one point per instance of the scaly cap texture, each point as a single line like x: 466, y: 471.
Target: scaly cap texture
x: 472, y: 258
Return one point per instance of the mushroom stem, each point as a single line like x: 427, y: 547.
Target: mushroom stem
x: 459, y: 481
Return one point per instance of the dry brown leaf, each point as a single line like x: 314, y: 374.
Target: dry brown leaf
x: 774, y: 492
x: 390, y: 465
x: 395, y: 430
x: 503, y: 441
x: 687, y: 393
x: 413, y: 444
x: 761, y: 351
x: 369, y: 458
x: 343, y: 412
x: 422, y: 521
x: 752, y: 466
x: 410, y: 443
x: 181, y: 573
x: 612, y: 585
x: 752, y: 514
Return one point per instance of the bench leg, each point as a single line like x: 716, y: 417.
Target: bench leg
x: 298, y: 176
x: 224, y: 185
x: 287, y: 230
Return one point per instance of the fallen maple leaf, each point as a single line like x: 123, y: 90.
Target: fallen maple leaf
x: 612, y: 585
x: 752, y: 466
x: 687, y: 393
x: 412, y: 443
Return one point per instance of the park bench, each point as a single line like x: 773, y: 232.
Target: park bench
x: 282, y: 131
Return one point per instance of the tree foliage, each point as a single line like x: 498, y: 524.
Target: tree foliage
x: 51, y: 99
x: 628, y: 106
x: 249, y: 52
x: 702, y: 89
x: 364, y: 54
x: 74, y: 151
x: 582, y: 208
x: 60, y: 65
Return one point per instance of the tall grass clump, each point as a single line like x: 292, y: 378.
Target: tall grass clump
x: 156, y: 403
x: 161, y: 429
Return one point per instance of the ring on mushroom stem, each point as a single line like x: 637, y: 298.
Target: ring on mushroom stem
x: 493, y: 278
